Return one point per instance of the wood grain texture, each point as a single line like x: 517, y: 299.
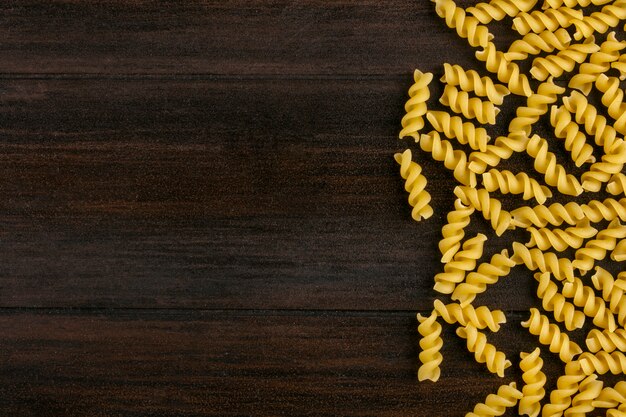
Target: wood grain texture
x: 282, y: 37
x: 186, y: 363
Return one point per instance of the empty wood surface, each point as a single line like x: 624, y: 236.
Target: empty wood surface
x: 201, y: 215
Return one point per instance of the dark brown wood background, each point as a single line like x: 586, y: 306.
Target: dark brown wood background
x: 201, y: 214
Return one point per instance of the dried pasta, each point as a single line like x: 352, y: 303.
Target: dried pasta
x: 551, y: 19
x: 415, y: 107
x: 431, y: 344
x: 481, y: 317
x: 453, y: 127
x: 471, y: 81
x: 550, y: 335
x: 497, y: 404
x: 415, y: 185
x: 484, y: 112
x: 506, y: 182
x: 534, y: 381
x: 552, y: 300
x: 462, y: 262
x: 483, y: 351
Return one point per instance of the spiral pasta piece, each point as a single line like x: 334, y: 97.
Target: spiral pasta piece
x: 499, y: 9
x: 589, y: 389
x: 467, y: 27
x: 620, y: 65
x: 550, y: 19
x: 535, y: 259
x: 566, y: 386
x: 536, y: 106
x: 415, y: 107
x: 606, y: 340
x: 612, y: 292
x: 550, y: 335
x: 535, y: 43
x: 611, y: 396
x: 490, y: 208
x: 554, y: 174
x: 619, y: 252
x: 488, y: 273
x: 594, y: 307
x: 453, y: 159
x: 609, y: 17
x: 497, y: 404
x: 570, y: 213
x: 575, y: 141
x: 617, y: 184
x: 613, y: 99
x: 507, y: 72
x: 503, y: 148
x: 415, y: 185
x: 564, y: 61
x: 560, y: 239
x: 553, y: 300
x: 508, y: 183
x: 454, y: 127
x: 431, y: 344
x: 454, y: 230
x: 534, y: 381
x: 595, y: 124
x: 596, y: 249
x: 603, y: 362
x: 573, y: 3
x: 470, y: 80
x: 480, y: 317
x: 555, y: 214
x: 484, y: 352
x: 599, y: 63
x: 462, y: 262
x: 484, y: 112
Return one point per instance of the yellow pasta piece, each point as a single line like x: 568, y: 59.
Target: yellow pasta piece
x: 454, y: 127
x: 454, y: 230
x: 594, y: 307
x: 470, y: 80
x: 620, y: 65
x: 497, y: 404
x: 606, y: 340
x: 534, y: 381
x: 431, y: 344
x: 551, y: 336
x: 552, y: 300
x: 535, y: 259
x: 619, y: 253
x: 415, y: 184
x: 535, y: 43
x: 462, y: 262
x: 480, y: 317
x: 488, y: 273
x: 612, y: 292
x: 537, y: 104
x: 589, y: 389
x: 508, y: 183
x: 599, y: 63
x: 564, y: 61
x: 471, y: 107
x: 415, y: 107
x: 560, y: 239
x: 603, y: 362
x: 613, y: 99
x: 609, y: 17
x: 575, y: 141
x: 617, y: 184
x: 484, y: 352
x: 554, y: 174
x: 503, y: 148
x: 467, y: 27
x: 566, y: 386
x: 499, y: 9
x: 453, y: 159
x: 507, y: 72
x: 551, y: 19
x: 611, y: 396
x: 573, y: 3
x: 596, y: 249
x: 490, y: 208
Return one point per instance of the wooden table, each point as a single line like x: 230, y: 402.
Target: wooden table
x: 201, y: 214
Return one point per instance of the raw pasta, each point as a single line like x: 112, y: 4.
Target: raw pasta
x: 551, y: 335
x: 534, y: 381
x: 415, y: 185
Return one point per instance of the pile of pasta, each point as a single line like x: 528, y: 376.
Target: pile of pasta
x: 574, y: 54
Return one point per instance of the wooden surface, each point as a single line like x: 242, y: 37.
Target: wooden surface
x: 201, y: 215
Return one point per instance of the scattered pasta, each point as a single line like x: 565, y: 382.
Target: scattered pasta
x: 576, y: 62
